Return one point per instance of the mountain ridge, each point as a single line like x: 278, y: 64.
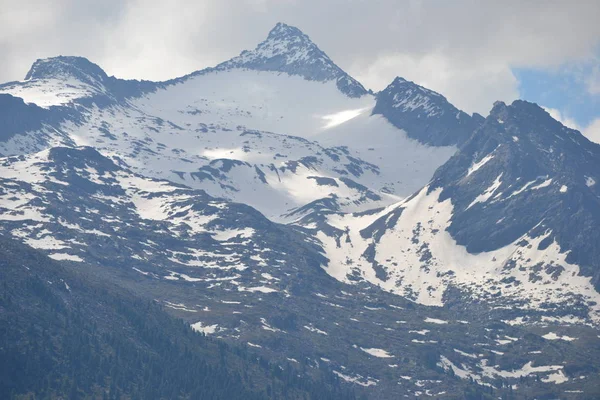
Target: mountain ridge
x: 392, y: 239
x: 426, y: 115
x: 517, y: 204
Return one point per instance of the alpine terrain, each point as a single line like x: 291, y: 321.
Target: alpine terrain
x: 322, y: 240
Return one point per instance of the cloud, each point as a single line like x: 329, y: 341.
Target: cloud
x: 592, y: 131
x: 562, y: 118
x: 464, y: 48
x: 473, y: 87
x: 593, y: 79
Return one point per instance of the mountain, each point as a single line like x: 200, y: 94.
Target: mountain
x: 287, y: 49
x: 426, y: 115
x: 81, y: 206
x: 17, y: 117
x: 271, y: 202
x: 77, y: 68
x: 232, y: 274
x: 254, y: 129
x: 67, y: 333
x: 509, y: 220
x: 65, y: 80
x: 549, y: 175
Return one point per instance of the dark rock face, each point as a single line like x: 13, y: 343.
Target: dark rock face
x: 16, y: 116
x: 538, y: 175
x: 289, y: 50
x: 424, y: 114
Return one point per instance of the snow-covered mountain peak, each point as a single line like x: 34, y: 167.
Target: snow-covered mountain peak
x: 426, y: 115
x: 400, y: 83
x: 287, y: 49
x: 407, y: 95
x: 288, y: 45
x: 67, y: 67
x: 63, y: 80
x: 525, y: 121
x: 283, y: 30
x: 59, y: 81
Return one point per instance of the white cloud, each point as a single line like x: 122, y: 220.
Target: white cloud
x: 593, y: 79
x: 562, y: 118
x: 469, y: 86
x: 464, y: 49
x: 592, y: 131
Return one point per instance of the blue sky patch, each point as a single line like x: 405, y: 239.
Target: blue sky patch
x: 567, y: 89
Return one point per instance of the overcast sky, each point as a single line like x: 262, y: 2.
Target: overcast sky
x: 472, y: 51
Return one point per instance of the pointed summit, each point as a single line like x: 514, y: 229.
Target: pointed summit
x: 425, y: 115
x: 532, y: 124
x: 281, y: 30
x: 287, y: 49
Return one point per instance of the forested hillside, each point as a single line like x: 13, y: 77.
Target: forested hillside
x: 66, y: 334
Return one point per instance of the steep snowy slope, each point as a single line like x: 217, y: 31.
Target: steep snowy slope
x: 289, y: 50
x: 511, y: 219
x: 277, y: 128
x: 261, y: 100
x: 374, y: 139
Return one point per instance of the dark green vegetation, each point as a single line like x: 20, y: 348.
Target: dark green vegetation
x: 67, y: 334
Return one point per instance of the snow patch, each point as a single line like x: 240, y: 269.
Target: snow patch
x: 377, y: 352
x: 315, y: 330
x: 206, y: 329
x: 359, y: 380
x: 435, y: 321
x: 476, y: 166
x: 589, y: 181
x: 554, y: 336
x: 65, y: 257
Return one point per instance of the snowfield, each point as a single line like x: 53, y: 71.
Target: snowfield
x: 420, y: 225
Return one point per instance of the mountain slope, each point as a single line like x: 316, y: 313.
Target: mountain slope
x: 510, y: 219
x: 267, y: 128
x: 231, y: 273
x: 463, y: 249
x: 68, y: 334
x: 27, y: 127
x: 82, y: 207
x: 547, y: 170
x: 289, y: 50
x: 426, y: 115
